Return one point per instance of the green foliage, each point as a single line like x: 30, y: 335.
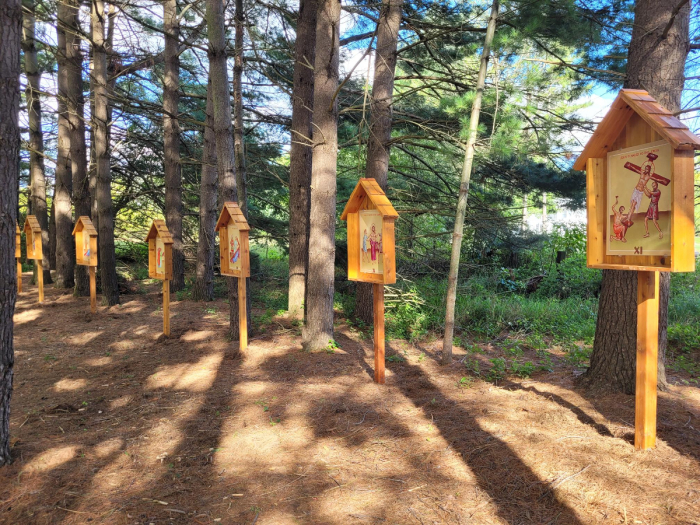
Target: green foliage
x: 523, y: 370
x: 497, y: 370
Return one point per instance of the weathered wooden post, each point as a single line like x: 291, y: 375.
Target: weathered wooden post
x: 32, y: 232
x: 85, y: 236
x: 234, y: 256
x: 18, y: 257
x: 640, y: 197
x: 160, y: 263
x: 371, y: 252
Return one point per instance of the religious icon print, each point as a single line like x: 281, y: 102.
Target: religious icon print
x: 371, y: 248
x: 234, y: 247
x: 86, y: 247
x: 160, y: 256
x: 639, y: 200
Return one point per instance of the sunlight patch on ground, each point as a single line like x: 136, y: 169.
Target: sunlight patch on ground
x: 131, y: 307
x: 110, y: 446
x: 52, y: 458
x: 99, y: 361
x: 69, y: 385
x: 125, y: 344
x: 120, y: 402
x: 195, y: 377
x: 197, y: 335
x: 83, y: 338
x: 27, y: 316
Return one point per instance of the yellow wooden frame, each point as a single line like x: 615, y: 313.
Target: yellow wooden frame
x: 84, y: 226
x: 635, y: 119
x: 32, y: 232
x: 160, y: 230
x: 368, y: 195
x: 231, y: 214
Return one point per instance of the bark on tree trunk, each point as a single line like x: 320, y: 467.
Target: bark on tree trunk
x: 239, y: 152
x: 52, y: 231
x: 65, y: 260
x: 37, y: 176
x: 10, y: 41
x: 464, y: 190
x: 223, y: 133
x: 318, y: 331
x: 204, y: 285
x: 108, y: 261
x: 380, y: 123
x: 656, y: 63
x: 300, y: 156
x: 171, y: 141
x: 75, y: 105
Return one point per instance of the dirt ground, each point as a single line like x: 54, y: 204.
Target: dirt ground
x: 113, y: 424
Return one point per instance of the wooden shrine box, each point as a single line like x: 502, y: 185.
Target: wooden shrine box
x: 371, y: 251
x: 234, y: 250
x: 85, y: 242
x: 160, y: 251
x: 640, y: 153
x: 18, y: 242
x: 32, y: 232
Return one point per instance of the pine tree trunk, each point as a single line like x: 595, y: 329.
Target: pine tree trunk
x: 223, y: 132
x: 239, y: 153
x: 656, y: 63
x: 75, y: 105
x: 204, y: 285
x: 171, y: 141
x: 380, y: 123
x: 300, y: 156
x: 464, y: 190
x: 37, y: 176
x: 65, y: 259
x: 10, y: 39
x: 52, y: 230
x: 320, y: 286
x: 101, y: 118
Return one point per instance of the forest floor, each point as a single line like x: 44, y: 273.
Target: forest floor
x: 113, y: 423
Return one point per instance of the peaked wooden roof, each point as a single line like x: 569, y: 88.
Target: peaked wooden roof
x: 86, y: 224
x: 638, y: 101
x: 159, y: 229
x: 232, y: 210
x: 32, y: 223
x: 369, y: 188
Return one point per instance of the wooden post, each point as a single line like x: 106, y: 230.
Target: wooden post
x: 93, y: 291
x: 19, y: 276
x: 166, y: 307
x: 242, y: 314
x: 647, y: 359
x: 378, y: 333
x: 40, y: 278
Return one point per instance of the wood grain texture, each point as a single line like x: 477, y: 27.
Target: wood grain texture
x: 166, y: 307
x: 242, y: 314
x: 93, y: 290
x: 683, y: 212
x: 647, y: 360
x: 379, y: 358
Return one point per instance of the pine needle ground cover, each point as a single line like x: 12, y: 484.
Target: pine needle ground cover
x: 112, y: 423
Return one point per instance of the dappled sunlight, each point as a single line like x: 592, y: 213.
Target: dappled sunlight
x: 27, y: 316
x: 50, y: 459
x: 197, y: 335
x: 99, y: 361
x: 144, y: 329
x: 126, y: 344
x: 195, y: 377
x: 131, y: 307
x: 108, y: 447
x: 70, y: 385
x: 120, y: 402
x: 83, y: 338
